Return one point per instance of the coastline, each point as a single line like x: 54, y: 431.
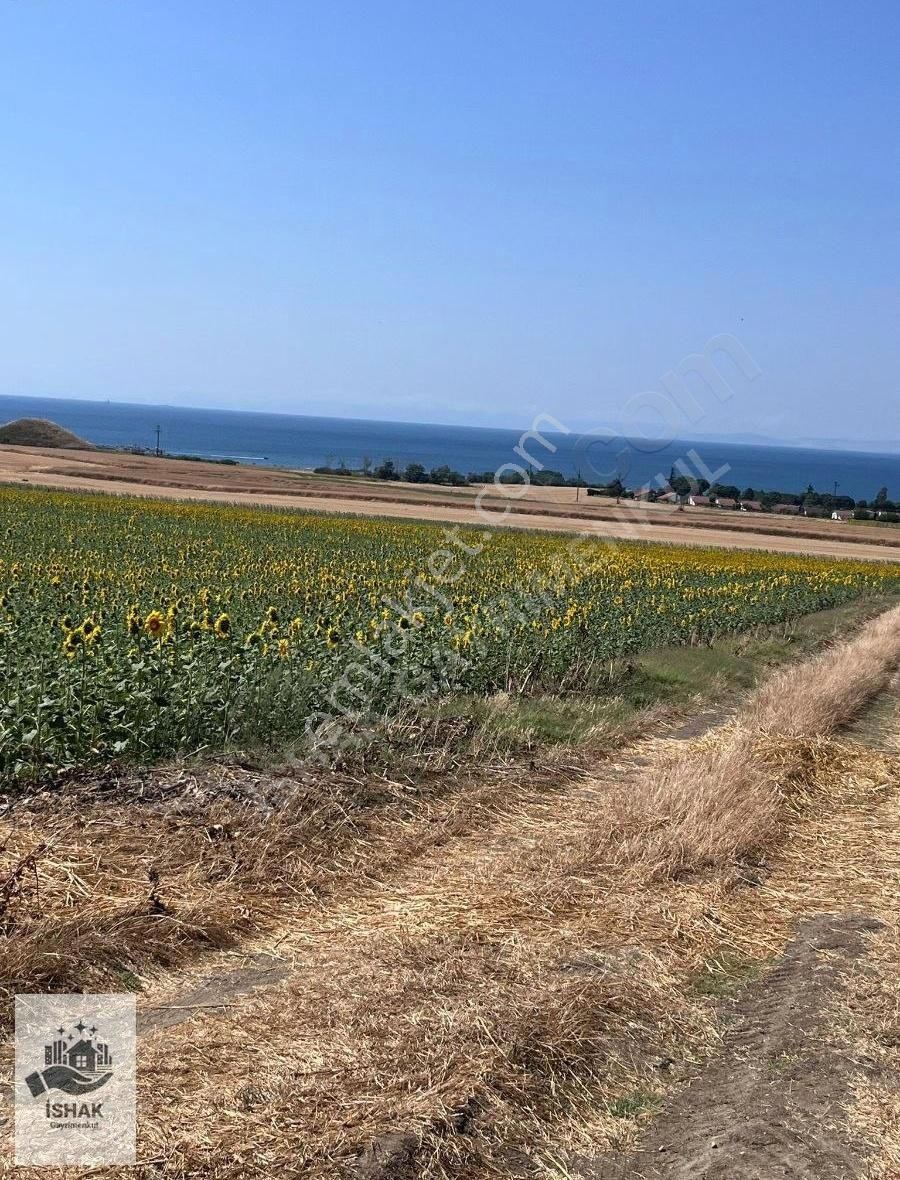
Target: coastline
x: 305, y: 441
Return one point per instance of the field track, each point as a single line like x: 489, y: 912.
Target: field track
x: 487, y: 978
x: 553, y: 509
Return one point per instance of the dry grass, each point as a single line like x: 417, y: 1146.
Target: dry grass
x: 513, y: 1015
x: 724, y: 802
x: 493, y: 974
x: 102, y: 882
x: 40, y: 432
x: 818, y: 696
x: 492, y: 997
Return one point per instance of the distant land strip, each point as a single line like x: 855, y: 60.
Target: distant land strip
x: 540, y: 508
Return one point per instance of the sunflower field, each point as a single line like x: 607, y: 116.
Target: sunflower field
x: 135, y: 628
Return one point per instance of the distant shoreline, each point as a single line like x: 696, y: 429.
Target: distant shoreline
x: 152, y: 409
x: 303, y: 442
x: 679, y: 490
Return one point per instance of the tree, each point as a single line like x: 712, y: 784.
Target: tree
x: 616, y: 488
x: 415, y: 473
x: 728, y: 490
x: 548, y: 478
x: 445, y: 474
x: 386, y: 469
x: 748, y: 494
x: 881, y: 499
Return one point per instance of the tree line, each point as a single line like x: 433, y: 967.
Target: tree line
x: 811, y: 502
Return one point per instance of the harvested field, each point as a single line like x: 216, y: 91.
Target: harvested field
x: 546, y: 509
x: 499, y: 982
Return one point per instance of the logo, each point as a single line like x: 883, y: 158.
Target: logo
x: 75, y: 1062
x: 75, y: 1079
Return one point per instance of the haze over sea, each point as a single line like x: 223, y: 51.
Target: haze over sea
x: 289, y: 440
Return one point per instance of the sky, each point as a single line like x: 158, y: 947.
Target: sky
x: 465, y: 212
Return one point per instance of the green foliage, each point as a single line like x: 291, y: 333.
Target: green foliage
x: 415, y: 473
x: 137, y: 629
x: 386, y: 469
x: 629, y: 1106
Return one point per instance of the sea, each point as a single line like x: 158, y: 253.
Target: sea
x: 305, y: 441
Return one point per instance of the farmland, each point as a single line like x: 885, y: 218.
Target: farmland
x: 437, y: 959
x: 539, y: 508
x: 690, y: 941
x: 135, y: 629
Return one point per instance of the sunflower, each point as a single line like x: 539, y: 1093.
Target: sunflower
x: 90, y: 630
x: 222, y: 627
x: 71, y: 643
x: 284, y: 649
x: 156, y: 624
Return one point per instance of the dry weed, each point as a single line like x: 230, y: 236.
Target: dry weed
x: 518, y: 971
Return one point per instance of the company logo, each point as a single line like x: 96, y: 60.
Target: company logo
x: 76, y: 1062
x: 75, y: 1079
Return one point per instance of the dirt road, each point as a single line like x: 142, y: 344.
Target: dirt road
x: 773, y: 1102
x: 476, y: 978
x: 553, y: 509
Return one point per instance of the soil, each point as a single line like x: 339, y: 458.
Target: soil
x: 218, y: 991
x: 772, y: 1103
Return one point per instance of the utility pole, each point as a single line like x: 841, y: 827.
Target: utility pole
x: 578, y: 485
x: 836, y: 486
x: 158, y: 451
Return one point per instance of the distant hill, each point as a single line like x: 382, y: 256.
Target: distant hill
x: 39, y: 432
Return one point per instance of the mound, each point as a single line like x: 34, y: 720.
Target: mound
x: 39, y: 432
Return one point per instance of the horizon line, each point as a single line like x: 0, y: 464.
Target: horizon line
x: 857, y: 446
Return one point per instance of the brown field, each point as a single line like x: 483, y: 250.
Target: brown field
x: 538, y: 508
x: 674, y: 956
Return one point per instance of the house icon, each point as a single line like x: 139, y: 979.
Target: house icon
x: 86, y: 1054
x: 83, y: 1055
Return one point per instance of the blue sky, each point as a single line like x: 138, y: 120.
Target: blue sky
x: 458, y: 212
